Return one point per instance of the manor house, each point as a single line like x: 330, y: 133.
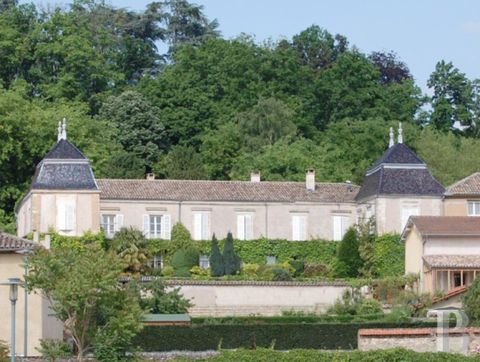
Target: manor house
x: 66, y: 196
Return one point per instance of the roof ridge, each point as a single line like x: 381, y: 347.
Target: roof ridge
x: 463, y: 180
x: 226, y: 181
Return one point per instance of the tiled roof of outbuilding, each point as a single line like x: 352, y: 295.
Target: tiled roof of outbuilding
x: 189, y: 190
x: 452, y: 261
x: 13, y: 243
x: 64, y: 168
x: 469, y: 186
x: 445, y: 225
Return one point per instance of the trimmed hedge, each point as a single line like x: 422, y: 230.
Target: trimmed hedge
x: 291, y: 319
x: 390, y: 355
x: 278, y: 336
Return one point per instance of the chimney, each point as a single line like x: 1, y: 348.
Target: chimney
x: 310, y: 180
x: 150, y: 176
x: 255, y: 176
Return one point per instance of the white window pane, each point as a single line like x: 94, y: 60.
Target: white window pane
x: 241, y: 227
x: 271, y: 259
x: 197, y: 226
x: 204, y: 262
x: 298, y: 227
x: 205, y: 227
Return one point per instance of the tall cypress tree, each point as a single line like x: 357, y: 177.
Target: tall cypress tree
x: 231, y: 261
x: 348, y: 254
x: 217, y: 268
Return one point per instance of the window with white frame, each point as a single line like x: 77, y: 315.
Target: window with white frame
x: 111, y: 223
x: 204, y: 261
x: 407, y: 211
x: 157, y: 262
x: 341, y: 223
x: 474, y: 208
x: 271, y: 260
x: 66, y: 215
x: 299, y: 227
x: 244, y: 226
x: 201, y: 226
x: 157, y: 226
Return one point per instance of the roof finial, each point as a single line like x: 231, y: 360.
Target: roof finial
x: 391, y: 142
x: 400, y: 133
x: 64, y: 129
x: 59, y: 131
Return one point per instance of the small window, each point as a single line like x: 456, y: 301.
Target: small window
x: 201, y: 226
x: 111, y: 224
x: 271, y: 260
x: 474, y: 208
x: 157, y: 226
x: 244, y: 227
x: 204, y: 261
x: 299, y: 227
x: 157, y: 262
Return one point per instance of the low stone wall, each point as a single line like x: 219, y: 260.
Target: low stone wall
x: 456, y: 340
x: 244, y: 298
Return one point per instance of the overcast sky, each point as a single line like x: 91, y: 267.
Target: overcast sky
x: 421, y: 32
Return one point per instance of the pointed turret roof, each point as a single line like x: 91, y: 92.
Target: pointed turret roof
x: 64, y: 167
x: 399, y: 172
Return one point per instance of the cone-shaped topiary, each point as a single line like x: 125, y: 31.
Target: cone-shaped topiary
x: 231, y: 261
x: 217, y: 268
x: 348, y: 255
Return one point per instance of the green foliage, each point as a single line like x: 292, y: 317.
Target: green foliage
x: 53, y: 349
x: 471, y: 301
x: 180, y: 238
x: 366, y: 248
x: 287, y: 336
x: 312, y: 355
x: 183, y: 260
x: 348, y: 255
x: 82, y: 288
x: 231, y: 261
x: 3, y: 351
x: 281, y: 275
x: 389, y: 257
x: 160, y: 301
x: 131, y: 247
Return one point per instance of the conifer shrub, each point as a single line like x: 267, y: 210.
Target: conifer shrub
x: 217, y: 267
x: 231, y: 260
x: 183, y: 260
x: 349, y: 260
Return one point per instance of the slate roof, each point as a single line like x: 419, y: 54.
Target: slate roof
x: 445, y: 225
x: 399, y: 153
x: 64, y: 168
x: 469, y: 186
x: 452, y: 261
x: 190, y: 190
x: 399, y: 172
x: 10, y: 243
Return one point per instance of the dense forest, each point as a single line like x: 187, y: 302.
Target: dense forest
x: 212, y: 108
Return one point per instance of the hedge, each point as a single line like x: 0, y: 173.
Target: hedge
x: 279, y: 336
x: 390, y: 355
x: 290, y: 319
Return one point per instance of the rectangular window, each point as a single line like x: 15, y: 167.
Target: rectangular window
x: 244, y: 227
x: 340, y: 226
x: 299, y: 227
x: 157, y: 226
x: 111, y: 223
x: 407, y: 211
x: 271, y: 259
x: 474, y: 208
x: 204, y: 261
x: 201, y: 226
x: 157, y: 262
x: 66, y: 215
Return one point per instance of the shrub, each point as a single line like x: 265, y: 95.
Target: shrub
x: 217, y: 267
x: 132, y: 247
x: 369, y: 306
x: 317, y: 270
x: 183, y: 260
x: 168, y: 271
x: 281, y: 275
x: 231, y: 261
x: 250, y: 270
x: 348, y: 255
x: 180, y: 238
x: 161, y: 301
x: 3, y: 351
x: 389, y: 259
x: 52, y: 349
x: 198, y: 272
x: 471, y: 301
x: 298, y: 266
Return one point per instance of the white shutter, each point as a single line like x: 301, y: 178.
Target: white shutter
x: 118, y: 222
x: 248, y: 227
x: 166, y: 227
x: 337, y: 228
x: 241, y: 227
x: 408, y: 211
x: 146, y: 226
x: 205, y: 226
x: 298, y: 227
x: 303, y: 227
x: 69, y: 216
x: 197, y: 226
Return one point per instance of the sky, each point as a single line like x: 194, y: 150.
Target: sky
x: 421, y: 32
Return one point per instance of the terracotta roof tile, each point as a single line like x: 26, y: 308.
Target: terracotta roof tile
x: 468, y: 186
x: 452, y: 261
x: 190, y: 190
x: 12, y: 243
x: 445, y: 225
